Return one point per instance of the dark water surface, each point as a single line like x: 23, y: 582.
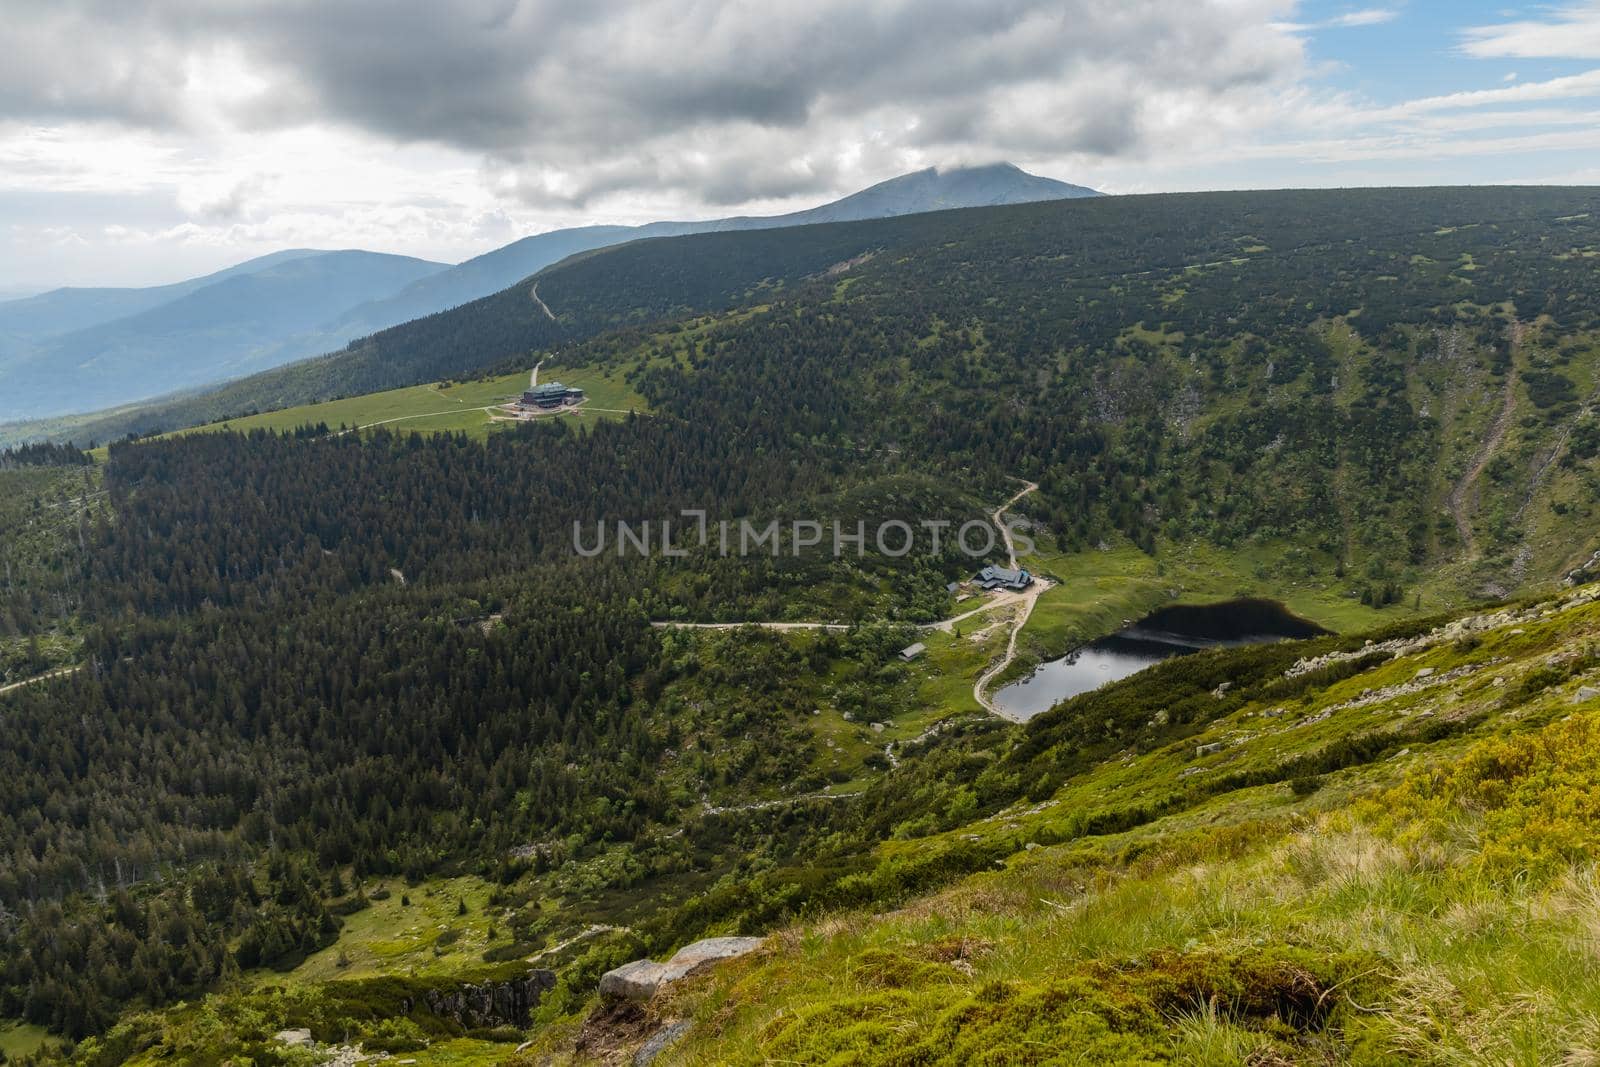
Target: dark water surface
x: 1174, y: 631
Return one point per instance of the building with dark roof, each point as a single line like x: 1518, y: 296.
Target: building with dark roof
x: 551, y: 395
x: 992, y: 577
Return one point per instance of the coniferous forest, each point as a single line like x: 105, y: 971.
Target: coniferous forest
x: 297, y: 667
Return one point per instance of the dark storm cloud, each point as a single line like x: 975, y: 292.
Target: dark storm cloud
x: 569, y: 101
x: 85, y: 61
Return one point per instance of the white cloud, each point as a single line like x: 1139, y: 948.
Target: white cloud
x: 1372, y: 16
x: 615, y: 88
x: 1568, y: 87
x: 1571, y: 32
x: 209, y: 132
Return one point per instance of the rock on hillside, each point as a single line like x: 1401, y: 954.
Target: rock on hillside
x: 638, y: 981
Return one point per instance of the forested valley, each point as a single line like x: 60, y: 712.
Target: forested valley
x: 298, y: 667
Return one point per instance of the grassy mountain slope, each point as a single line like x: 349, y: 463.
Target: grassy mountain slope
x: 1069, y: 258
x: 1388, y: 857
x: 320, y: 667
x: 1400, y: 395
x: 1413, y: 410
x: 924, y: 190
x: 654, y: 281
x: 468, y: 338
x: 473, y: 279
x: 444, y: 406
x: 1393, y: 863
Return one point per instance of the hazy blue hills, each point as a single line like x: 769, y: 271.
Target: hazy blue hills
x: 255, y: 316
x: 61, y: 311
x: 79, y: 350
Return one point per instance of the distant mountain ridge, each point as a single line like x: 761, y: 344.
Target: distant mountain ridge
x: 191, y: 334
x: 931, y: 189
x: 79, y: 350
x: 63, y: 310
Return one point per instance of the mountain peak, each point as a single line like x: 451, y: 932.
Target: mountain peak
x: 63, y: 345
x: 999, y: 166
x: 944, y: 188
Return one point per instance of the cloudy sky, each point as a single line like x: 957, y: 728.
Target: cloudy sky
x: 142, y: 142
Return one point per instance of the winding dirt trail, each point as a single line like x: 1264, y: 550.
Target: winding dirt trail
x: 1038, y: 589
x: 534, y: 292
x: 583, y: 935
x: 1028, y: 599
x: 998, y: 518
x: 764, y: 805
x: 422, y: 415
x: 998, y: 599
x: 841, y: 626
x: 46, y: 677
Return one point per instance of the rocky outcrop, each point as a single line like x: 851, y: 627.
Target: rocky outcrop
x: 1455, y: 630
x: 638, y: 981
x: 491, y: 1004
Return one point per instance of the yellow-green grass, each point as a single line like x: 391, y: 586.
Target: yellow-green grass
x: 443, y: 406
x: 461, y: 1052
x: 21, y: 1039
x: 1469, y: 959
x: 945, y: 674
x: 392, y: 937
x: 1160, y: 337
x: 843, y: 744
x: 1260, y: 736
x: 1465, y: 976
x: 455, y: 1052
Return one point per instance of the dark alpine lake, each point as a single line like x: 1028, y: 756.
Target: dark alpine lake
x: 1173, y: 631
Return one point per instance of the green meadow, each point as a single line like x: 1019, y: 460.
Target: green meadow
x: 453, y: 407
x: 20, y: 1039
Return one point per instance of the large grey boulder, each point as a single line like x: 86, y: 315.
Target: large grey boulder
x: 638, y: 981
